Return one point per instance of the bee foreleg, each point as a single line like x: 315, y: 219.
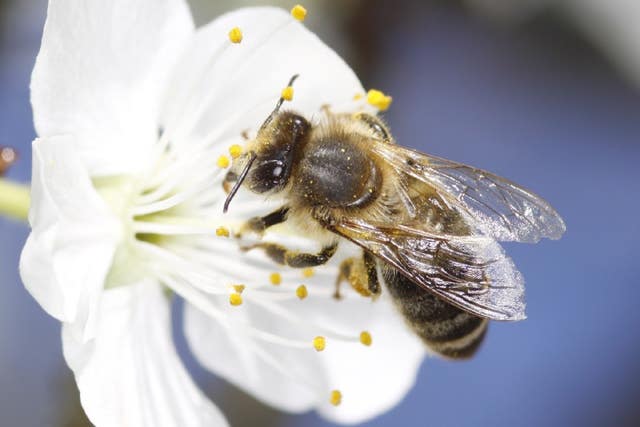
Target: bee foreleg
x: 295, y: 259
x: 361, y: 274
x: 259, y: 224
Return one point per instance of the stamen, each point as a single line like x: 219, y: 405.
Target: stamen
x: 235, y: 299
x: 238, y: 288
x: 307, y: 272
x: 301, y: 292
x: 235, y: 35
x: 222, y: 232
x: 223, y: 161
x: 335, y: 398
x: 319, y: 343
x: 378, y: 99
x: 365, y: 338
x: 299, y: 12
x: 275, y: 279
x: 287, y: 93
x: 235, y: 150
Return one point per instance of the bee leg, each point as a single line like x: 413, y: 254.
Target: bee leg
x: 295, y: 259
x: 361, y: 274
x: 376, y: 125
x: 259, y: 224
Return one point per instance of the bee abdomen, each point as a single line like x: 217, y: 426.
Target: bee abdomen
x: 444, y: 328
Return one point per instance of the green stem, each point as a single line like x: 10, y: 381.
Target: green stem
x: 14, y: 200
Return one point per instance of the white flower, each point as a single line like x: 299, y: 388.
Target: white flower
x: 133, y: 107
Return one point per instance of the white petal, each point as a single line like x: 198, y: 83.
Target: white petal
x: 372, y: 379
x: 73, y: 237
x: 130, y: 374
x: 221, y: 88
x: 302, y: 378
x: 100, y: 73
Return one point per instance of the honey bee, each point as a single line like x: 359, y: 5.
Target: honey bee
x: 428, y: 227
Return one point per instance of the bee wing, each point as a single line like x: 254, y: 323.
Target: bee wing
x: 470, y: 272
x: 496, y: 207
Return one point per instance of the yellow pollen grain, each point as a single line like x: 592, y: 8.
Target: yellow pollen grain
x: 235, y: 35
x: 365, y: 338
x: 235, y: 299
x: 223, y: 162
x: 319, y: 343
x: 335, y: 398
x: 301, y: 292
x: 238, y: 288
x: 299, y: 12
x: 287, y: 93
x: 378, y: 99
x: 222, y: 232
x: 275, y: 278
x: 235, y: 150
x: 307, y: 272
x: 358, y: 96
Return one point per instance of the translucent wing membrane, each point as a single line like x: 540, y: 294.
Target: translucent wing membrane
x: 496, y: 207
x: 470, y: 272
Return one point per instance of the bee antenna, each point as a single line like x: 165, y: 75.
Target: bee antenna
x: 236, y: 186
x: 279, y: 104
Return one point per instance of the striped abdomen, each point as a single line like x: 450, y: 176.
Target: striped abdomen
x: 444, y: 328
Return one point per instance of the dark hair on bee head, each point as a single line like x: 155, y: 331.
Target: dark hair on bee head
x: 252, y: 155
x: 236, y: 187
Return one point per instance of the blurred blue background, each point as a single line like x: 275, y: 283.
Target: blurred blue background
x: 531, y: 94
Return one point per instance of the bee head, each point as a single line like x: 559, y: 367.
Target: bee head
x: 267, y: 166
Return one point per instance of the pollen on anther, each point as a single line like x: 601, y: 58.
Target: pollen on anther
x: 235, y: 299
x: 307, y: 272
x: 275, y: 278
x: 235, y: 35
x: 235, y: 150
x: 301, y: 292
x: 319, y: 343
x: 223, y: 161
x: 222, y: 232
x: 238, y: 288
x: 378, y: 99
x: 299, y: 12
x: 365, y: 338
x: 335, y: 398
x: 287, y: 93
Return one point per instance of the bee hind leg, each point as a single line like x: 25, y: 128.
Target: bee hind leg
x: 361, y: 274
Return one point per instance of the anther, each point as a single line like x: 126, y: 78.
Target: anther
x: 287, y: 93
x: 223, y: 161
x: 301, y: 292
x: 235, y: 35
x: 299, y: 12
x: 335, y: 398
x: 222, y: 232
x: 235, y: 150
x: 378, y: 99
x: 365, y: 338
x: 235, y: 299
x: 307, y: 272
x: 238, y: 288
x: 319, y: 343
x: 275, y: 278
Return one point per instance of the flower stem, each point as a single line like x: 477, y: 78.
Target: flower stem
x: 14, y: 200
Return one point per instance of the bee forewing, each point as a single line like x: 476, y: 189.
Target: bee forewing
x: 495, y: 206
x: 470, y: 272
